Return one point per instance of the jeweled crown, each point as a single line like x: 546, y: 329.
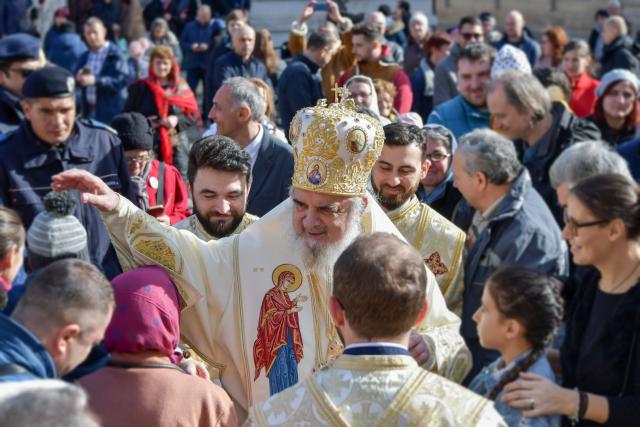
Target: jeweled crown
x: 334, y: 147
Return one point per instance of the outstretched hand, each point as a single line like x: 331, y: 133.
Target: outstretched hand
x: 307, y: 12
x: 93, y: 190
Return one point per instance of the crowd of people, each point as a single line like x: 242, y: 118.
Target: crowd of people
x: 376, y: 223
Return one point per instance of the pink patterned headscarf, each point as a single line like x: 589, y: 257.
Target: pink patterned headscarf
x: 147, y: 314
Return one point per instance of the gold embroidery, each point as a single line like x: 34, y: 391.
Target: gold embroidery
x: 158, y: 251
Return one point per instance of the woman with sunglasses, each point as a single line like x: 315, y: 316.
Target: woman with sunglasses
x: 436, y: 189
x: 600, y: 356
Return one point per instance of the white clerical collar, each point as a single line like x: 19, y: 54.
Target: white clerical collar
x: 375, y: 344
x: 253, y: 147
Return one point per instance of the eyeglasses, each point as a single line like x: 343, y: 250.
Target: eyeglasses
x: 573, y: 226
x: 471, y: 36
x: 24, y: 72
x: 438, y: 156
x: 138, y: 159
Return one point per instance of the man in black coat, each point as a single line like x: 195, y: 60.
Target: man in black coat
x: 522, y: 111
x: 616, y: 52
x: 300, y: 84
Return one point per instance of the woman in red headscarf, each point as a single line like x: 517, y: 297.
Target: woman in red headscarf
x: 168, y: 101
x: 141, y: 386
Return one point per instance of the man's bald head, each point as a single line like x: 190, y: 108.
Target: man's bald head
x: 514, y: 25
x: 243, y: 40
x: 378, y: 20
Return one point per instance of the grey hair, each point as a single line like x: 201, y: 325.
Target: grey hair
x: 246, y: 94
x: 586, y: 159
x: 492, y: 154
x: 65, y: 405
x: 524, y: 93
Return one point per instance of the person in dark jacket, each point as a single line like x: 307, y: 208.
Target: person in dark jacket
x: 240, y: 62
x: 600, y: 357
x: 194, y: 42
x: 219, y: 44
x: 63, y: 313
x: 36, y: 151
x: 103, y: 76
x: 437, y: 189
x: 595, y: 37
x: 522, y: 111
x: 507, y: 223
x: 616, y: 52
x: 300, y: 85
x: 238, y: 108
x: 516, y: 35
x: 65, y: 47
x: 617, y: 111
x: 19, y: 56
x: 108, y: 12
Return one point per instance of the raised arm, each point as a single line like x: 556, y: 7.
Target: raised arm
x: 140, y: 239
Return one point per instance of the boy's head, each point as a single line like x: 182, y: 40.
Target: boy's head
x: 379, y: 288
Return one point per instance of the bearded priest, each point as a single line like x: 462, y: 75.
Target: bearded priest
x: 255, y: 304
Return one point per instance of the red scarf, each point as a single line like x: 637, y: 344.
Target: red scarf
x: 179, y: 94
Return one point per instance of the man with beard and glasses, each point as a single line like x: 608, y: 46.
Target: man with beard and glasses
x: 219, y: 174
x: 264, y: 341
x: 395, y: 178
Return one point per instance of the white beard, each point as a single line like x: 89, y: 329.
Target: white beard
x: 321, y: 257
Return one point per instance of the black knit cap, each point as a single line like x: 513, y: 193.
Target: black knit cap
x: 49, y: 82
x: 134, y: 130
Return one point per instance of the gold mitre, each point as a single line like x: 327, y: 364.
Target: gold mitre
x: 334, y: 147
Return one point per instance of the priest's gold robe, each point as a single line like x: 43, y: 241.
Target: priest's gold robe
x: 223, y: 285
x: 440, y: 243
x: 364, y: 391
x: 193, y: 225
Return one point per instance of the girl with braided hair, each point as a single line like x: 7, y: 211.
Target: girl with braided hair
x: 520, y: 312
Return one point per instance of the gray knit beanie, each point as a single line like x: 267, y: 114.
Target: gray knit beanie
x: 56, y: 233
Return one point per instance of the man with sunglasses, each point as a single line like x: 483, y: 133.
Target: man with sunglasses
x: 446, y: 79
x: 395, y: 178
x: 19, y: 57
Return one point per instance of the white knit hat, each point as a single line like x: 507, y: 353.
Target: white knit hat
x: 510, y: 58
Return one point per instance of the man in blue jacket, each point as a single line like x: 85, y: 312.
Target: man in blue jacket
x: 516, y: 35
x: 103, y: 75
x: 62, y: 315
x: 51, y: 140
x: 195, y: 45
x: 237, y: 111
x: 468, y: 110
x: 300, y: 84
x: 507, y: 223
x: 240, y: 62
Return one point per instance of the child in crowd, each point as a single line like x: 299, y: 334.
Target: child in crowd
x: 12, y: 237
x: 519, y: 315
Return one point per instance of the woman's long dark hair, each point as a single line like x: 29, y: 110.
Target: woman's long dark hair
x: 534, y: 301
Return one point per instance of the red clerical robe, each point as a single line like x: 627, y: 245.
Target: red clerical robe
x: 272, y: 330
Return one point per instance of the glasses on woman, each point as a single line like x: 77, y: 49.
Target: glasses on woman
x: 438, y: 156
x: 137, y: 159
x: 24, y: 72
x: 573, y: 226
